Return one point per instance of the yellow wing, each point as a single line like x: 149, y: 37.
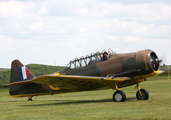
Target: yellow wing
x: 72, y: 82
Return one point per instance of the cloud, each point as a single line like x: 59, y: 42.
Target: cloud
x: 6, y: 42
x: 43, y: 10
x: 37, y: 26
x: 113, y: 38
x: 134, y: 1
x: 35, y: 31
x: 146, y: 11
x: 15, y: 9
x: 10, y: 8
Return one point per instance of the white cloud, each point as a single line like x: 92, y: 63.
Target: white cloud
x: 113, y: 38
x: 7, y: 43
x: 37, y: 26
x: 43, y: 10
x: 10, y: 8
x: 15, y: 9
x: 146, y: 11
x: 79, y: 27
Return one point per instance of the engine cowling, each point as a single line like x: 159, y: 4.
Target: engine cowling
x: 148, y: 62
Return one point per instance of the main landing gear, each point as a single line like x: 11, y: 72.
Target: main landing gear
x: 119, y: 96
x: 143, y: 96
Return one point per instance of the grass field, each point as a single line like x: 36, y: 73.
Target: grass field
x: 91, y: 105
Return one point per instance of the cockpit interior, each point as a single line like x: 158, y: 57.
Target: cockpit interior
x: 89, y: 59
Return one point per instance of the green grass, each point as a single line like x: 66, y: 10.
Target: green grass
x: 91, y: 105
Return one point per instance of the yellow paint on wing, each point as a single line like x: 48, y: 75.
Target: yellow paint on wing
x: 54, y: 87
x: 56, y: 74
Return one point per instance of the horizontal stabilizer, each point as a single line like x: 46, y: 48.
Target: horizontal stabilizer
x: 19, y: 83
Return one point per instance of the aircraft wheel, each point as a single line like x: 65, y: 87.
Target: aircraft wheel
x: 119, y: 96
x: 144, y: 96
x: 30, y: 99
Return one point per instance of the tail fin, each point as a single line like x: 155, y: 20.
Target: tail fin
x: 19, y: 72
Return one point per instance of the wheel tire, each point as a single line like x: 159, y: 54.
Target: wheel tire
x: 119, y: 96
x: 144, y: 96
x: 30, y: 99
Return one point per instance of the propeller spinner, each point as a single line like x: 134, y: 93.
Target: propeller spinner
x: 155, y: 62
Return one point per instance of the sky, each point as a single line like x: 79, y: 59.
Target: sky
x: 54, y: 32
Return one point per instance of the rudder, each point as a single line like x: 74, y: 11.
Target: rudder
x: 19, y: 72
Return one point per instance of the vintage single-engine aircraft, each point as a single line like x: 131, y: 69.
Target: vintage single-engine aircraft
x: 89, y: 73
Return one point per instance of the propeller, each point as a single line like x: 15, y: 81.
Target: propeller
x: 155, y: 62
x: 164, y: 64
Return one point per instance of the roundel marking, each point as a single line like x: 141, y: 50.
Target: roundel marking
x: 54, y: 87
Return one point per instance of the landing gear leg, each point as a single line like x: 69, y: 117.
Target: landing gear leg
x: 139, y: 87
x: 30, y: 98
x: 119, y: 96
x: 142, y: 94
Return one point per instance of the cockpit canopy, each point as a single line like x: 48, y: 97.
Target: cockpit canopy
x: 88, y: 59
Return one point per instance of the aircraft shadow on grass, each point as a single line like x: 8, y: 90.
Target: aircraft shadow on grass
x: 67, y: 102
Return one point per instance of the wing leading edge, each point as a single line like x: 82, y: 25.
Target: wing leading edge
x: 71, y: 82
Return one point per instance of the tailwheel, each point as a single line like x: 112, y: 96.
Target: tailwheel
x: 143, y: 95
x: 29, y: 98
x: 119, y: 96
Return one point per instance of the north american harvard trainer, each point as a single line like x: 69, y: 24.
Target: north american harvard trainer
x: 89, y: 73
